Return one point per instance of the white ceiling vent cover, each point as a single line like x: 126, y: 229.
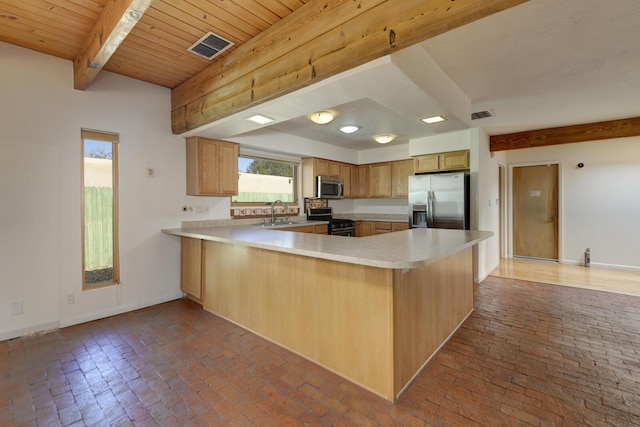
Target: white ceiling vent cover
x: 210, y: 45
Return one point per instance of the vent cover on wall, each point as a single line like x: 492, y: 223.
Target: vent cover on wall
x: 210, y: 45
x: 481, y: 115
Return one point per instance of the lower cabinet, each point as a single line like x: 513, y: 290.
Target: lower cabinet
x: 191, y: 268
x: 315, y: 229
x: 370, y: 228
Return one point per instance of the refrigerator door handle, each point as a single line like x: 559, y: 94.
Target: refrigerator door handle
x: 431, y: 217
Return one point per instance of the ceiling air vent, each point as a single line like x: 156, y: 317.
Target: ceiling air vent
x: 481, y: 115
x: 210, y: 45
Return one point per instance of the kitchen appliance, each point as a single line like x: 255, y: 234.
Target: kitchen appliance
x: 439, y: 200
x: 329, y: 187
x: 337, y: 226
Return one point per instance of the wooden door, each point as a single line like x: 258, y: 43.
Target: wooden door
x: 380, y: 180
x: 535, y: 211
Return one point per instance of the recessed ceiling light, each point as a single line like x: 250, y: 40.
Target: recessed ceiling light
x: 321, y: 117
x: 349, y: 129
x: 260, y: 119
x: 384, y: 139
x: 434, y: 119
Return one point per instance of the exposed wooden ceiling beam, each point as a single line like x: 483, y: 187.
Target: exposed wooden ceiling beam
x: 318, y: 40
x: 566, y: 134
x: 115, y: 22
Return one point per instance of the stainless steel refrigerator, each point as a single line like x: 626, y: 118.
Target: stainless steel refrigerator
x: 439, y: 200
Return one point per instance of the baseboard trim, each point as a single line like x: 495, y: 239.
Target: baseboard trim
x: 31, y: 330
x: 602, y: 265
x: 113, y: 311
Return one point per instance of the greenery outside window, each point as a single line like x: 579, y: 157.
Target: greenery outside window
x: 100, y: 260
x: 263, y: 181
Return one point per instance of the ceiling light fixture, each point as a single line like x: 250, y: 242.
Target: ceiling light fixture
x: 260, y: 119
x: 349, y: 129
x: 434, y: 119
x: 321, y: 117
x: 384, y: 139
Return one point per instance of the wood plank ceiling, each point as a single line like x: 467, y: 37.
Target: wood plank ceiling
x: 266, y: 60
x: 155, y: 50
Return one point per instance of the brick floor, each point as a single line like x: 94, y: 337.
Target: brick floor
x: 531, y: 354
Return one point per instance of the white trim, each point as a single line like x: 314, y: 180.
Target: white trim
x: 268, y: 155
x: 31, y: 330
x: 602, y: 265
x: 89, y: 317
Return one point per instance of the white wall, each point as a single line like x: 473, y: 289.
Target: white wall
x: 601, y: 202
x: 41, y: 116
x: 486, y: 201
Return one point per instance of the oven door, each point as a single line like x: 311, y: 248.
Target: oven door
x: 349, y: 232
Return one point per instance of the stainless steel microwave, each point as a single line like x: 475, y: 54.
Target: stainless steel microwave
x: 329, y: 187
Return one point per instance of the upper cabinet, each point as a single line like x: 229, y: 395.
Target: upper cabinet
x: 453, y: 160
x: 212, y: 167
x: 400, y: 173
x: 313, y: 166
x: 380, y: 179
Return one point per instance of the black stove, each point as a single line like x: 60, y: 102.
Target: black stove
x: 337, y: 226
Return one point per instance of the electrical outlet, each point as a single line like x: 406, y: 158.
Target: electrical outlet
x: 71, y: 298
x: 17, y: 308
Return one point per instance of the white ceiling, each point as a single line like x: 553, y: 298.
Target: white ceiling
x: 542, y: 64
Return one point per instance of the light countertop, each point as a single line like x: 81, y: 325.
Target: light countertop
x: 398, y: 250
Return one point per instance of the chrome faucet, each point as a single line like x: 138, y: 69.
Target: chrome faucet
x: 273, y: 211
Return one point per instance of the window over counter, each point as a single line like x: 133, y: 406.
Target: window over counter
x: 263, y: 180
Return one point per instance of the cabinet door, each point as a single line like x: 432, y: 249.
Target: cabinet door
x: 334, y: 169
x: 321, y: 229
x: 399, y: 226
x: 382, y: 227
x: 321, y: 167
x: 207, y: 167
x: 345, y: 174
x: 380, y: 181
x: 363, y: 181
x: 454, y: 160
x: 355, y: 182
x: 400, y: 173
x: 228, y: 166
x: 212, y: 167
x: 427, y: 163
x: 367, y: 228
x: 191, y: 267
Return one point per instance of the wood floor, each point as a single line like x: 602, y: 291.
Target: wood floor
x: 595, y: 278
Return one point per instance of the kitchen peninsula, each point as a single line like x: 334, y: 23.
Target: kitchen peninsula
x: 373, y: 309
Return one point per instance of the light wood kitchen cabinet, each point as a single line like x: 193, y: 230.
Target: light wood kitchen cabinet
x: 453, y: 160
x: 363, y: 176
x: 364, y: 228
x: 212, y: 167
x: 382, y: 227
x: 355, y: 182
x: 427, y: 163
x: 312, y: 167
x: 380, y: 179
x: 345, y: 173
x: 191, y: 268
x: 401, y: 170
x: 370, y: 228
x: 399, y: 226
x: 315, y: 229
